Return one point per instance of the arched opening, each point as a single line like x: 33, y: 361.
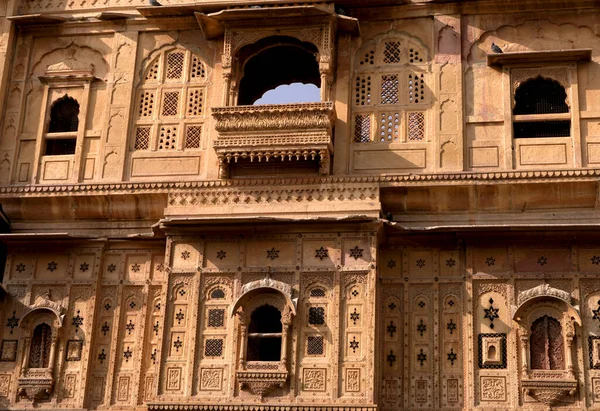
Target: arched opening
x: 546, y: 344
x: 39, y: 353
x: 541, y: 96
x: 264, y: 334
x: 492, y: 353
x: 277, y: 61
x: 64, y: 118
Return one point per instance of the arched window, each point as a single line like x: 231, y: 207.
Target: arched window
x: 171, y: 100
x: 39, y: 354
x: 264, y: 334
x: 279, y: 61
x: 390, y: 93
x: 64, y: 119
x: 217, y: 294
x: 546, y: 99
x: 546, y: 345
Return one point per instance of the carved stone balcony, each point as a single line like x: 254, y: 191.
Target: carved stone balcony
x: 262, y: 377
x: 286, y: 132
x: 36, y: 383
x: 549, y: 386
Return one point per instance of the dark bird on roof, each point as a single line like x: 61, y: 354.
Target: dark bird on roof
x: 496, y: 49
x: 154, y: 3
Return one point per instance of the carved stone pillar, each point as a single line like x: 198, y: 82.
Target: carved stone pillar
x: 243, y: 338
x: 524, y: 340
x: 569, y: 335
x: 25, y: 360
x: 286, y: 321
x: 52, y: 355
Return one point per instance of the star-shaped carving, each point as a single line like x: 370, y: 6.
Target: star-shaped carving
x: 107, y: 306
x: 153, y: 356
x: 181, y: 292
x: 596, y: 313
x: 321, y: 253
x: 127, y: 354
x: 177, y: 344
x: 185, y: 255
x: 130, y: 327
x: 450, y: 262
x: 391, y: 263
x: 421, y: 327
x: 391, y: 328
x: 12, y: 322
x: 52, y: 266
x: 392, y: 306
x: 135, y: 268
x: 421, y: 304
x: 111, y: 268
x: 77, y: 321
x: 451, y: 303
x: 221, y: 254
x: 102, y: 356
x: 491, y: 313
x: 272, y: 254
x: 157, y: 306
x: 105, y: 328
x: 84, y: 267
x: 451, y: 326
x: 542, y: 260
x: 155, y: 328
x: 595, y: 260
x: 490, y: 261
x: 179, y: 316
x: 452, y: 356
x: 353, y: 344
x: 421, y: 357
x: 20, y: 267
x: 356, y: 252
x: 355, y: 293
x: 420, y: 263
x: 355, y: 316
x: 160, y: 267
x: 391, y: 358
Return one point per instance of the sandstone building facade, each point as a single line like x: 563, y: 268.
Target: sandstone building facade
x: 423, y: 236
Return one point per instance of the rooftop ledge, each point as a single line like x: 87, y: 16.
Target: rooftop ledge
x: 546, y: 56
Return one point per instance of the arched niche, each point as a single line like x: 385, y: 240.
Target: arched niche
x: 265, y: 287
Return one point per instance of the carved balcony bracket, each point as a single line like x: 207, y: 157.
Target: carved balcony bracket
x: 548, y: 391
x: 287, y: 132
x: 261, y: 382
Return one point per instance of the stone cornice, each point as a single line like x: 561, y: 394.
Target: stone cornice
x: 509, y: 177
x: 260, y: 407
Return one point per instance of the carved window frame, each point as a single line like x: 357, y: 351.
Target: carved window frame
x: 211, y: 333
x: 154, y: 88
x: 316, y: 330
x: 565, y: 74
x: 56, y: 88
x: 382, y: 114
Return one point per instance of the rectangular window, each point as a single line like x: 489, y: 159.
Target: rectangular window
x: 216, y: 318
x: 314, y: 345
x: 316, y: 316
x: 362, y: 128
x: 213, y: 347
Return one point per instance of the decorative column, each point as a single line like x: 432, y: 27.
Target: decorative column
x: 524, y: 339
x: 53, y: 344
x: 569, y: 336
x: 243, y: 338
x: 26, y: 351
x: 286, y: 321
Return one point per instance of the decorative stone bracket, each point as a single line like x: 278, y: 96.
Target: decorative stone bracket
x: 289, y: 132
x: 547, y: 391
x: 261, y: 383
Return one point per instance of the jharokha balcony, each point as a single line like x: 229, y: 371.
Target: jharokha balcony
x: 286, y: 138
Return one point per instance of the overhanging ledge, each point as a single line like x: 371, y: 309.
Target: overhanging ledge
x: 546, y: 56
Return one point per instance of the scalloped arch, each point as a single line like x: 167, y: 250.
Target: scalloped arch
x: 84, y: 54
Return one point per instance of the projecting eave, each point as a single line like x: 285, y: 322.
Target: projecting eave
x: 546, y: 56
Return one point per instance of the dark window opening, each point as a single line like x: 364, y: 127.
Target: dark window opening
x: 64, y: 116
x: 217, y: 294
x: 264, y: 334
x: 60, y: 146
x: 39, y: 353
x: 541, y: 96
x: 546, y: 345
x: 278, y: 61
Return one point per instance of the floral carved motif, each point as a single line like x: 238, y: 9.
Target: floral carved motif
x: 314, y: 379
x: 493, y: 389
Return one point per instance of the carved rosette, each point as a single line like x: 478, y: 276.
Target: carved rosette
x: 287, y: 132
x: 261, y: 383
